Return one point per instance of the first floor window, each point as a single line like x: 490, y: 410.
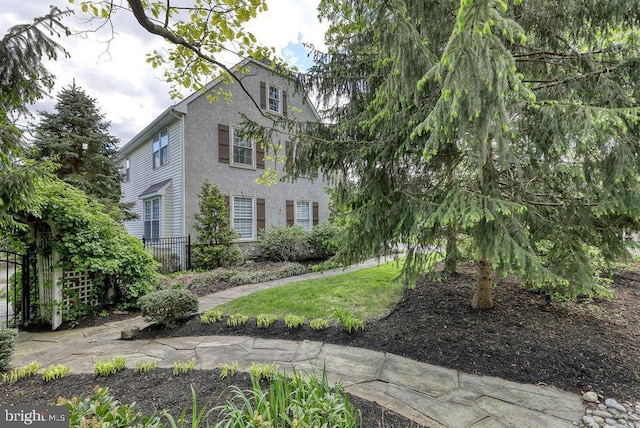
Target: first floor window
x: 152, y: 218
x: 303, y: 214
x: 242, y: 149
x: 243, y: 216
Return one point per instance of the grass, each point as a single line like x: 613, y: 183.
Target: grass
x: 367, y: 294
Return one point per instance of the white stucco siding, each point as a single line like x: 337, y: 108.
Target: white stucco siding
x: 202, y: 156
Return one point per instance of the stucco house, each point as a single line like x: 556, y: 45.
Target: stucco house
x: 166, y: 164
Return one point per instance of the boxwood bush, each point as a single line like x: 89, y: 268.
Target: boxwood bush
x: 168, y: 307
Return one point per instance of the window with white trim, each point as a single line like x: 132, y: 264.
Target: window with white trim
x: 274, y: 99
x: 152, y: 218
x: 127, y: 170
x: 243, y: 217
x: 243, y: 149
x: 303, y: 214
x: 160, y: 148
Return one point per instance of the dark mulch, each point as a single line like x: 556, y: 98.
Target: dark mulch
x: 576, y: 346
x: 160, y: 390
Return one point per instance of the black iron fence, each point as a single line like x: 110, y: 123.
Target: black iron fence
x: 174, y: 254
x: 18, y: 287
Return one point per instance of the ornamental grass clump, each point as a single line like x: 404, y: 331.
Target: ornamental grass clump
x: 319, y: 324
x: 210, y: 316
x: 293, y: 321
x: 15, y: 375
x: 168, y: 307
x: 57, y: 371
x: 104, y: 368
x: 265, y: 320
x: 237, y: 320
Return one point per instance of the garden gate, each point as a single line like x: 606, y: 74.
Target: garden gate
x: 18, y: 287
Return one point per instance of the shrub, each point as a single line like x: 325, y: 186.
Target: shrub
x: 285, y: 243
x: 215, y: 234
x: 8, y: 338
x: 324, y: 240
x: 207, y: 257
x: 168, y: 307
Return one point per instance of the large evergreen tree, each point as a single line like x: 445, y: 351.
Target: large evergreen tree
x: 512, y: 124
x: 23, y: 81
x: 76, y: 137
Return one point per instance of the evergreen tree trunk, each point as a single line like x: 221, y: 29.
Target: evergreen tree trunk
x: 483, y: 294
x: 451, y: 253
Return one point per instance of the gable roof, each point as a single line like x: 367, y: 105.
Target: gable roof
x: 176, y: 111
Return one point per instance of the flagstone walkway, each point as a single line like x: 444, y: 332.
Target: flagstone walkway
x: 430, y: 395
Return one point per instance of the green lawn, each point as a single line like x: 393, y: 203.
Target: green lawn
x: 367, y: 294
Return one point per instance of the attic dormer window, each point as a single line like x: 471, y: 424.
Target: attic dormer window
x: 275, y: 99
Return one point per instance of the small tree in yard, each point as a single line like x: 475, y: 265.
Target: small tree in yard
x: 215, y: 246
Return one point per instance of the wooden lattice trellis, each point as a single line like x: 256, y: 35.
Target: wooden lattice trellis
x: 80, y: 289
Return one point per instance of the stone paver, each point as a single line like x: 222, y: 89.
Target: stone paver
x: 429, y: 395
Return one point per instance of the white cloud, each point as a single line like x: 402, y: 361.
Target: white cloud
x: 113, y: 70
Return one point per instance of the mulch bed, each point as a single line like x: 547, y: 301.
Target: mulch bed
x: 575, y: 346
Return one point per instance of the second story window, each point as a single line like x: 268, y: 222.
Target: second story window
x: 275, y: 99
x: 160, y: 148
x: 242, y: 149
x: 127, y: 169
